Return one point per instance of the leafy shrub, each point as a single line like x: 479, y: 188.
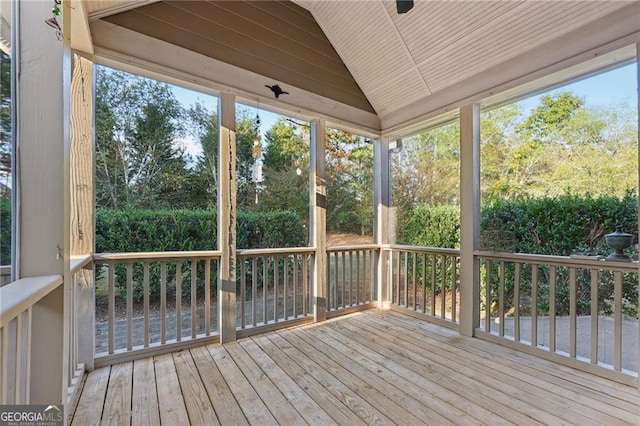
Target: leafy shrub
x: 432, y: 226
x: 185, y: 230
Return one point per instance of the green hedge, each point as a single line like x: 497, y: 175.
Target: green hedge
x: 184, y: 230
x: 432, y: 226
x: 561, y: 226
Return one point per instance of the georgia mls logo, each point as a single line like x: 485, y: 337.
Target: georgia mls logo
x: 31, y: 415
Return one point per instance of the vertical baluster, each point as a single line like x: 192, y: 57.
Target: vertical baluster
x: 4, y: 358
x: 397, y: 270
x: 350, y: 278
x: 285, y: 293
x: 414, y: 258
x: 27, y: 377
x: 254, y: 289
x: 552, y: 309
x: 443, y: 288
x: 424, y: 283
x: 501, y: 299
x: 18, y: 360
x: 129, y: 306
x: 454, y: 288
x: 534, y: 305
x: 344, y: 279
x: 434, y: 276
x: 163, y: 302
x: 295, y: 280
x: 146, y: 304
x: 178, y: 301
x: 111, y: 305
x: 194, y: 298
x: 358, y: 278
x: 617, y: 320
x: 405, y: 275
x: 207, y: 297
x: 335, y: 281
x: 594, y: 316
x: 243, y: 291
x: 276, y: 279
x: 487, y: 307
x: 305, y: 284
x: 516, y: 303
x: 265, y: 270
x: 573, y: 293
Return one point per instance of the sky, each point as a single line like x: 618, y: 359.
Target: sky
x: 608, y: 88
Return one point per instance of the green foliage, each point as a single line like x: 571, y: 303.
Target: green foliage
x: 185, y: 230
x: 561, y: 225
x: 432, y: 226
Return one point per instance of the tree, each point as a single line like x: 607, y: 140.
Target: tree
x: 286, y: 152
x: 204, y: 127
x: 349, y: 170
x: 139, y: 162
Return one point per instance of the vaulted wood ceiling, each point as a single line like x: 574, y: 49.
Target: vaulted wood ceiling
x: 363, y: 54
x: 279, y: 40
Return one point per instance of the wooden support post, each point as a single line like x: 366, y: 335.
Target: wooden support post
x: 469, y: 218
x: 638, y: 171
x: 227, y: 218
x: 318, y: 218
x: 82, y: 202
x: 42, y: 186
x: 381, y: 207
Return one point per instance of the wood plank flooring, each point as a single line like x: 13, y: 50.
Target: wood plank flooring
x: 373, y: 367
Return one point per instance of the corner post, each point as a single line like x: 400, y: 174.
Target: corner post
x: 318, y: 218
x: 469, y: 218
x: 83, y: 203
x: 381, y: 206
x: 43, y: 77
x: 227, y: 218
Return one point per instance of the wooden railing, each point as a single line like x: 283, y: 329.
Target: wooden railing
x: 155, y: 302
x: 351, y: 277
x: 30, y: 341
x: 583, y: 309
x: 425, y: 280
x: 273, y: 286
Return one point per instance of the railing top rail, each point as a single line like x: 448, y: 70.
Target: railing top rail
x: 19, y: 295
x: 156, y: 256
x: 583, y: 262
x: 80, y: 261
x: 352, y: 247
x: 279, y: 250
x: 423, y: 249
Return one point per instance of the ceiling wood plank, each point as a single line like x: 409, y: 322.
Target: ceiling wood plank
x: 212, y: 29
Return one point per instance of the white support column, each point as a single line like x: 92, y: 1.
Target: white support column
x: 83, y: 202
x: 227, y: 218
x: 318, y: 218
x: 382, y: 205
x: 469, y: 218
x: 43, y: 179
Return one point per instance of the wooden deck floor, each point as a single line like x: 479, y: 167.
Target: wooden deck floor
x: 374, y: 367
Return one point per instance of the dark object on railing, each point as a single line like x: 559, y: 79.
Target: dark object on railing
x: 619, y: 241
